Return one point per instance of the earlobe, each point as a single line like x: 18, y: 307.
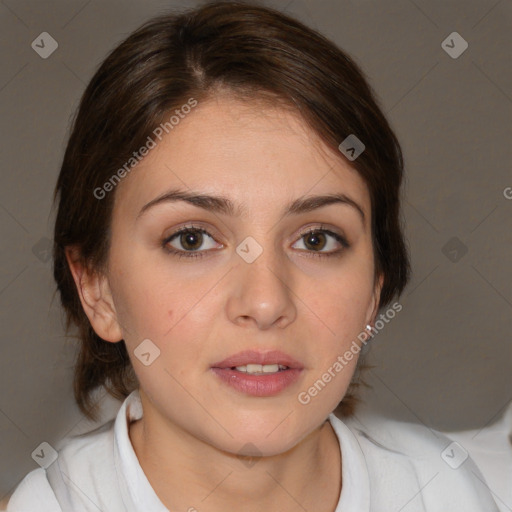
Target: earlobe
x: 374, y: 308
x: 95, y: 296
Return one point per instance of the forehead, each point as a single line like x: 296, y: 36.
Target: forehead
x: 259, y: 155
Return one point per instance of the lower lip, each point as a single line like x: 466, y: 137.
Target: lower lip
x: 258, y: 385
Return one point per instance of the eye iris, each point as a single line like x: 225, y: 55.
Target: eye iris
x: 313, y: 239
x: 191, y: 240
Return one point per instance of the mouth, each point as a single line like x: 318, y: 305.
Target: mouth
x: 254, y: 361
x: 258, y: 373
x: 260, y: 369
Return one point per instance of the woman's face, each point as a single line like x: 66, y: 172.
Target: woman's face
x: 246, y: 285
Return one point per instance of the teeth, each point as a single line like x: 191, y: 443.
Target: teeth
x: 261, y: 368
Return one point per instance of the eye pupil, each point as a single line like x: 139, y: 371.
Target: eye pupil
x: 315, y: 239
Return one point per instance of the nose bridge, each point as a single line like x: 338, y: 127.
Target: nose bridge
x: 263, y: 287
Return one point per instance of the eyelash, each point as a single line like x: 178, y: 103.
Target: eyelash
x: 199, y: 254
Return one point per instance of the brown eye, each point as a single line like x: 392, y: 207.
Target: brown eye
x: 322, y: 242
x: 315, y: 240
x: 191, y: 240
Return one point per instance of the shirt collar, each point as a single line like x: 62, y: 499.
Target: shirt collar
x: 136, y: 490
x: 355, y: 480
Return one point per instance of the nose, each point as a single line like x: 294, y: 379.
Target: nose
x: 262, y: 293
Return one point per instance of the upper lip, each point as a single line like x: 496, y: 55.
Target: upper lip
x: 258, y: 357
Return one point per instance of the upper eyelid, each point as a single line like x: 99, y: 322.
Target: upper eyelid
x: 186, y: 228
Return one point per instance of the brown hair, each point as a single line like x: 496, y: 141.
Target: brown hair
x: 249, y: 51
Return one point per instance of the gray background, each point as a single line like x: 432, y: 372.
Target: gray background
x: 445, y: 360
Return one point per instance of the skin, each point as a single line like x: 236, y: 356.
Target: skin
x: 198, y: 311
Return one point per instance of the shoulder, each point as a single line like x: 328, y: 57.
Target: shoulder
x: 91, y: 448
x: 408, y: 460
x: 403, y: 438
x: 86, y: 460
x: 34, y: 493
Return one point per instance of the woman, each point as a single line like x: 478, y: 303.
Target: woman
x: 228, y: 229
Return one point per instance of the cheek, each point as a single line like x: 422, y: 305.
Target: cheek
x: 343, y: 308
x: 146, y: 303
x: 166, y: 307
x: 344, y: 301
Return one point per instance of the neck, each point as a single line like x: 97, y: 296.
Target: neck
x: 188, y: 473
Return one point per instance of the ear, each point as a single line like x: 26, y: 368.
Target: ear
x: 374, y: 305
x: 96, y: 297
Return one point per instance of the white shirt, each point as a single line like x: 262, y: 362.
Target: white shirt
x: 387, y: 466
x: 491, y: 449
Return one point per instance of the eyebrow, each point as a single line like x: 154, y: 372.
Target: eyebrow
x: 223, y: 205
